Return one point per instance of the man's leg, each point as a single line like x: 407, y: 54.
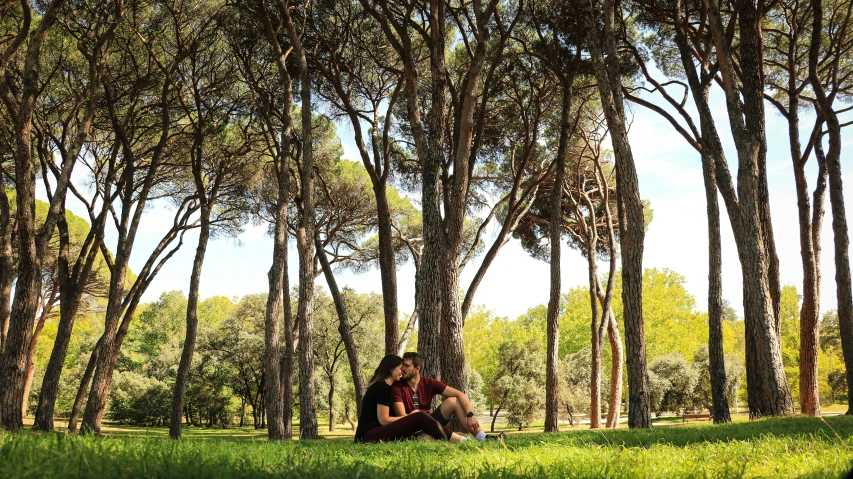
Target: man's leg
x: 452, y: 407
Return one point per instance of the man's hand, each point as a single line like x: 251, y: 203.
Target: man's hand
x: 473, y: 424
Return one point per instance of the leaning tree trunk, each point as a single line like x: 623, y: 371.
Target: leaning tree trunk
x: 31, y: 354
x: 451, y: 345
x: 103, y: 369
x: 716, y: 358
x: 345, y: 330
x: 71, y: 289
x: 84, y: 386
x: 186, y: 363
x: 631, y: 220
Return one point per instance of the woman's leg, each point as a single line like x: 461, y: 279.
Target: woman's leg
x: 408, y: 426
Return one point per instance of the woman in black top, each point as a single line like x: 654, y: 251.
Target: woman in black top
x: 375, y: 422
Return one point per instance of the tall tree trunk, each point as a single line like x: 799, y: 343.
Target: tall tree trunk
x: 274, y: 392
x: 7, y: 263
x: 631, y: 221
x: 767, y: 386
x: 186, y: 363
x: 84, y: 386
x: 716, y: 357
x: 451, y: 346
x: 387, y: 269
x: 332, y: 403
x: 344, y: 329
x: 810, y: 309
x: 553, y: 320
x: 103, y: 370
x: 305, y: 245
x: 832, y: 161
x: 291, y: 338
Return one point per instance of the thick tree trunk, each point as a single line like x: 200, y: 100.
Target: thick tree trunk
x: 716, y: 358
x: 84, y: 386
x: 553, y: 319
x: 345, y: 330
x: 428, y: 283
x: 186, y: 363
x: 631, y: 222
x: 451, y: 346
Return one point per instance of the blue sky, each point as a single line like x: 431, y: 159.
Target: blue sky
x: 670, y: 177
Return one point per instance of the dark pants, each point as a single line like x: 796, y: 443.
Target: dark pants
x: 406, y: 427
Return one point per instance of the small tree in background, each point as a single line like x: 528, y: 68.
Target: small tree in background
x: 518, y: 386
x: 575, y: 376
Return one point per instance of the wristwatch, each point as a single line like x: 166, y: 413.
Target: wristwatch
x: 470, y: 414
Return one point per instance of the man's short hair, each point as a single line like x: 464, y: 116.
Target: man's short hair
x: 415, y: 358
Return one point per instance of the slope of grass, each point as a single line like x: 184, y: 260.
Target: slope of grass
x: 791, y: 447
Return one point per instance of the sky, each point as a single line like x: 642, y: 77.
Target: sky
x: 670, y: 178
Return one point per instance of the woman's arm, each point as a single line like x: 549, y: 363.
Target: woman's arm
x: 384, y: 414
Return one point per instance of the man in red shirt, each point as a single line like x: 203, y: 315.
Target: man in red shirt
x: 415, y: 392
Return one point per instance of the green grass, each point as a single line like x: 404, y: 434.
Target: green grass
x: 791, y: 447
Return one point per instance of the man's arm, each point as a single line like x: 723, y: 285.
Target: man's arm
x: 450, y: 392
x: 397, y: 407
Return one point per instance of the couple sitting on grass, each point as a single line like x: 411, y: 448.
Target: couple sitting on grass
x: 396, y: 405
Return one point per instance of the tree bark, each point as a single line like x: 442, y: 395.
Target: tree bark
x: 84, y: 386
x: 387, y: 268
x: 716, y: 357
x: 614, y: 408
x: 555, y: 235
x: 767, y: 385
x: 305, y: 245
x: 7, y: 263
x: 631, y: 222
x: 46, y: 308
x: 72, y: 283
x: 345, y: 330
x: 186, y: 362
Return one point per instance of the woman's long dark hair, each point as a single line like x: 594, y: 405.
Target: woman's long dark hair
x: 388, y: 363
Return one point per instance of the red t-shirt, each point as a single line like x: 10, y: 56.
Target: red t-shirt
x: 425, y: 390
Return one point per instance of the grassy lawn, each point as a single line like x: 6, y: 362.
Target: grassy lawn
x: 790, y: 447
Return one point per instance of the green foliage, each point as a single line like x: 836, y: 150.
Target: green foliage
x: 574, y: 383
x: 790, y: 447
x: 518, y: 385
x: 671, y: 384
x: 139, y: 400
